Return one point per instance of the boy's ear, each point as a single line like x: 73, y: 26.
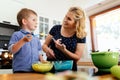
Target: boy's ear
x: 24, y: 21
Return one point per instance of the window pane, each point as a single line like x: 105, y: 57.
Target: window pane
x: 46, y: 20
x: 41, y: 19
x: 108, y: 30
x: 41, y: 27
x: 46, y: 28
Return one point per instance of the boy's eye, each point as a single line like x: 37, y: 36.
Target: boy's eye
x: 34, y: 19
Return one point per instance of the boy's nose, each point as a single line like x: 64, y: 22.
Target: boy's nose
x: 36, y: 22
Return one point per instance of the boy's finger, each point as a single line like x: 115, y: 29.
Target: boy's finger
x: 29, y: 36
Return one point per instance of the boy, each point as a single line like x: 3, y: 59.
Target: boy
x: 23, y: 44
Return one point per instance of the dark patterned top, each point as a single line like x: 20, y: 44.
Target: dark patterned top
x: 70, y: 42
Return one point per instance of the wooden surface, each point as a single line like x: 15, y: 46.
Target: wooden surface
x: 22, y: 76
x: 106, y: 77
x: 85, y: 63
x: 37, y: 76
x: 84, y: 67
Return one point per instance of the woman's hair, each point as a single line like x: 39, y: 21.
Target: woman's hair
x: 24, y: 14
x: 79, y: 16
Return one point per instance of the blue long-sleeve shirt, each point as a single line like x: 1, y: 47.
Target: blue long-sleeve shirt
x: 28, y: 53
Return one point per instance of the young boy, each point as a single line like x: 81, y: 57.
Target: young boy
x: 23, y: 44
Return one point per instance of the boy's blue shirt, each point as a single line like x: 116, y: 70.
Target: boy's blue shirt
x: 28, y: 54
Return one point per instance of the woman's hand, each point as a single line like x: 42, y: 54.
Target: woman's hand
x: 50, y: 54
x: 59, y: 45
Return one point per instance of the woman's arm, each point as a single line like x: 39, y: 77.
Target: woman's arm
x: 49, y: 52
x: 78, y: 53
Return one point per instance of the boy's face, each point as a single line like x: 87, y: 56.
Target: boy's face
x: 31, y: 22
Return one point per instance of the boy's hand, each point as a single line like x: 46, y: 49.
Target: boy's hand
x: 27, y: 38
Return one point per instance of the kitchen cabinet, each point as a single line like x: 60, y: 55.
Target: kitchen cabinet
x: 6, y: 30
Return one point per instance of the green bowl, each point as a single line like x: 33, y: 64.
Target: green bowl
x: 105, y: 60
x: 42, y: 67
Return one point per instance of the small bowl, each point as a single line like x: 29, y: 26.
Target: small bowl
x: 105, y: 60
x: 42, y: 67
x: 63, y: 65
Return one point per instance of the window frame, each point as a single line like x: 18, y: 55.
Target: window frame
x: 93, y: 26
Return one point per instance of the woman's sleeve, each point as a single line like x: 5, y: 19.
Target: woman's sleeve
x: 83, y: 40
x: 53, y: 30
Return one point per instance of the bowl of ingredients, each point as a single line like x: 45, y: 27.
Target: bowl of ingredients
x: 63, y: 65
x: 105, y: 60
x: 42, y: 67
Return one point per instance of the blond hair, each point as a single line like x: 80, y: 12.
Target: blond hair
x: 24, y: 14
x: 79, y: 16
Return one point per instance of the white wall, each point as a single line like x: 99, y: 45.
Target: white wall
x: 8, y: 10
x: 50, y: 8
x: 86, y: 3
x: 53, y: 9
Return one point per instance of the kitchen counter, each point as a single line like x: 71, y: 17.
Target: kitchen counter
x: 22, y: 76
x: 86, y: 67
x: 37, y: 76
x: 90, y: 70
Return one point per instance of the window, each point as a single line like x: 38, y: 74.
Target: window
x: 44, y: 27
x: 105, y: 29
x: 55, y: 22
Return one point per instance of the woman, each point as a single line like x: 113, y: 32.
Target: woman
x: 67, y: 41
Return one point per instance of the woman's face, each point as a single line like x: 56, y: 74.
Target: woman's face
x: 69, y: 21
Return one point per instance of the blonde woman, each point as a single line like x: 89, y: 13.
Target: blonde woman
x: 67, y: 41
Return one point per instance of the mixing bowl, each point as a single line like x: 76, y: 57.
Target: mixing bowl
x: 42, y: 67
x: 63, y: 65
x: 105, y: 60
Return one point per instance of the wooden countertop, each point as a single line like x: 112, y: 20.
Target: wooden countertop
x: 37, y: 76
x: 22, y: 76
